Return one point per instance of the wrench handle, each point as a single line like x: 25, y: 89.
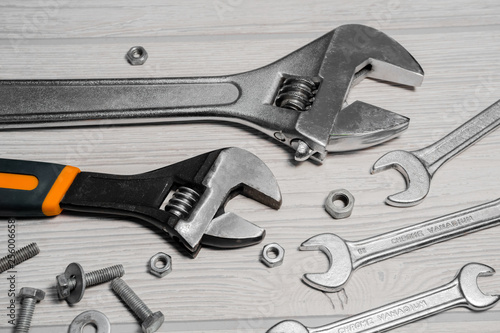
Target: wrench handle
x: 424, y: 234
x: 438, y: 153
x: 29, y: 188
x: 396, y: 314
x: 28, y: 104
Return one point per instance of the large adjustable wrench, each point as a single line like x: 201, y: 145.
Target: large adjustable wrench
x: 298, y: 100
x: 463, y: 291
x: 418, y: 167
x: 345, y: 256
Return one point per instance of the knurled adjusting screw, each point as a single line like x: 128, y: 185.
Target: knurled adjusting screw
x: 72, y: 283
x: 29, y: 297
x: 12, y: 260
x: 151, y: 322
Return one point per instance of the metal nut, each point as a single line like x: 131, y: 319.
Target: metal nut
x: 137, y: 56
x: 62, y: 287
x: 272, y: 255
x: 161, y: 258
x: 338, y: 212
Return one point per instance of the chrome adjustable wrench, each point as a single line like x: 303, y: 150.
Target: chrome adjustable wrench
x: 201, y: 187
x: 298, y: 100
x: 463, y: 291
x: 346, y: 256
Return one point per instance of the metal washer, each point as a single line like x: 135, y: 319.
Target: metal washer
x: 91, y: 317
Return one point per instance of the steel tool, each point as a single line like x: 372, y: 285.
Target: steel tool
x: 29, y: 297
x: 299, y: 100
x: 150, y: 322
x: 463, y: 291
x: 201, y: 187
x: 92, y: 318
x: 72, y: 284
x: 346, y: 256
x: 418, y: 167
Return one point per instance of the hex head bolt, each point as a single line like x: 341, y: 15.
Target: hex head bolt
x: 151, y: 322
x: 72, y: 283
x: 23, y: 254
x: 29, y: 297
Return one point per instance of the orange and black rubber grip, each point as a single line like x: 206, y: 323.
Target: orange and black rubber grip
x: 33, y: 188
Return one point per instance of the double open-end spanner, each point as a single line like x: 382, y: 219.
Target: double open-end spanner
x: 463, y: 291
x: 298, y: 100
x: 194, y: 214
x: 419, y: 166
x: 345, y: 256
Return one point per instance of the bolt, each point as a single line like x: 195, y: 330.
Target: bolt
x: 29, y: 297
x: 14, y: 259
x: 72, y: 283
x: 151, y: 322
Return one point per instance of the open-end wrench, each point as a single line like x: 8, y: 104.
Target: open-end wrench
x: 298, y: 100
x: 463, y: 291
x: 345, y: 256
x: 418, y: 167
x: 201, y: 187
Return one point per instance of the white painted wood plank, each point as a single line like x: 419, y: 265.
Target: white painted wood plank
x: 225, y: 291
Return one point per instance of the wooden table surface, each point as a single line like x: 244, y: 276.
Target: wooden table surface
x: 456, y: 42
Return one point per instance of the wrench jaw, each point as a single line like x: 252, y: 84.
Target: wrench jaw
x: 475, y: 299
x: 379, y: 55
x: 339, y: 256
x: 235, y: 171
x: 363, y: 125
x: 418, y: 179
x: 288, y: 326
x: 353, y: 53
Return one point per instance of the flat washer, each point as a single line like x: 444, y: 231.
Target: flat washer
x: 76, y: 270
x: 91, y: 317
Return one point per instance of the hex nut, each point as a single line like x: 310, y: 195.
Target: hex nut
x: 272, y: 260
x: 338, y: 212
x: 153, y: 322
x: 137, y: 56
x: 62, y: 286
x: 161, y: 271
x: 27, y: 292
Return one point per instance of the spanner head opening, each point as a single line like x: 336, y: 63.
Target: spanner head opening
x: 339, y: 257
x: 418, y: 180
x: 467, y: 279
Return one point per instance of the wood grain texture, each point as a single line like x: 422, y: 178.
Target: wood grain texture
x: 457, y: 44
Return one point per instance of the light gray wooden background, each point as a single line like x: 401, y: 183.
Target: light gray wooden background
x: 456, y: 42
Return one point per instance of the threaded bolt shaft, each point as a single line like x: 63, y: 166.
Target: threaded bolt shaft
x: 131, y: 299
x: 100, y: 276
x: 25, y: 315
x: 29, y: 297
x: 23, y: 254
